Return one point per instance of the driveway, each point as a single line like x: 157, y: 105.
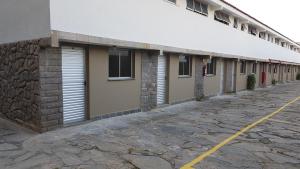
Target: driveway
x: 169, y: 137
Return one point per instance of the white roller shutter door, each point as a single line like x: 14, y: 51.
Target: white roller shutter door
x: 73, y: 77
x: 161, y: 80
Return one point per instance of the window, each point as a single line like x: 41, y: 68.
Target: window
x: 277, y: 41
x: 243, y: 67
x: 235, y: 23
x: 243, y: 27
x: 222, y: 17
x: 283, y: 44
x: 270, y: 68
x: 173, y: 1
x: 269, y: 37
x: 262, y: 35
x: 254, y: 68
x: 190, y: 4
x: 289, y: 69
x: 211, y: 67
x: 121, y: 63
x: 185, y: 66
x: 252, y: 30
x: 197, y: 6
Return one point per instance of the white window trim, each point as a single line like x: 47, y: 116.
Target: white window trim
x: 190, y: 71
x: 120, y: 78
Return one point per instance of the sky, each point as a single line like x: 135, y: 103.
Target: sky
x: 280, y: 15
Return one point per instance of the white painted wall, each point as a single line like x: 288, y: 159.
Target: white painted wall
x: 162, y: 23
x: 24, y: 20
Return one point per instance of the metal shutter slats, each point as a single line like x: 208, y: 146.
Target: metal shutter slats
x: 73, y: 76
x: 161, y: 80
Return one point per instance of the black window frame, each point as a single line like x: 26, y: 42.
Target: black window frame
x: 262, y: 35
x: 243, y: 66
x: 252, y: 30
x: 127, y: 73
x: 235, y: 23
x: 254, y: 68
x: 182, y: 70
x: 244, y: 27
x: 203, y: 7
x: 222, y: 17
x: 211, y: 68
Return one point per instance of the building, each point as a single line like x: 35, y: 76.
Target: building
x: 73, y: 60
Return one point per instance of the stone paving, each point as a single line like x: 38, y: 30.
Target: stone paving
x: 169, y: 137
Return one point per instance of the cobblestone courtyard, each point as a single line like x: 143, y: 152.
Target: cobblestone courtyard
x: 170, y: 137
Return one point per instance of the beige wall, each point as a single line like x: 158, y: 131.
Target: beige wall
x: 111, y: 96
x: 269, y: 74
x: 294, y: 72
x: 257, y: 75
x: 276, y: 75
x: 241, y: 78
x: 212, y: 82
x: 180, y: 88
x: 288, y: 74
x: 285, y: 74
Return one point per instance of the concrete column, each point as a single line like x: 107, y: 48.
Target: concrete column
x: 149, y: 80
x: 199, y: 79
x: 50, y: 64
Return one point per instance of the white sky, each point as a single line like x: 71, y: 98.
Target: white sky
x: 282, y: 16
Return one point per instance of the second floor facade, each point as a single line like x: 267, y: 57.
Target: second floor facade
x: 211, y: 27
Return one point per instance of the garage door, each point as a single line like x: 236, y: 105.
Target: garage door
x: 161, y: 80
x: 73, y: 77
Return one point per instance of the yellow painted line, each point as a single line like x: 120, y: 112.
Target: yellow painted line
x: 231, y: 138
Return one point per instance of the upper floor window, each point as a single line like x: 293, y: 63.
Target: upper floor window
x: 262, y: 35
x: 277, y: 41
x: 211, y: 67
x: 243, y: 27
x: 185, y: 68
x: 252, y: 30
x: 269, y: 38
x: 222, y: 17
x: 235, y: 23
x: 197, y: 6
x: 173, y: 1
x: 283, y: 44
x: 243, y: 67
x: 121, y: 63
